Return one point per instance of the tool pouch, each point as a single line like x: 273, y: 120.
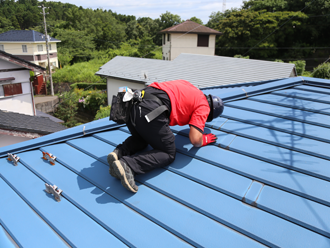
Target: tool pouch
x: 120, y: 111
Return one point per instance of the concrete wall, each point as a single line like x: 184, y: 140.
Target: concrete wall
x: 113, y: 85
x: 187, y: 43
x: 15, y: 48
x: 6, y: 140
x: 22, y: 103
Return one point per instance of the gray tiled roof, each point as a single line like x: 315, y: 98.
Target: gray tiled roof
x: 200, y: 70
x: 191, y: 27
x: 24, y: 35
x: 22, y: 62
x: 28, y: 123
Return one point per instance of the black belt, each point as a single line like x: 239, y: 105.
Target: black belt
x: 157, y: 111
x: 154, y: 113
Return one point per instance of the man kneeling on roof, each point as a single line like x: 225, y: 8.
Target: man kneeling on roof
x: 184, y: 104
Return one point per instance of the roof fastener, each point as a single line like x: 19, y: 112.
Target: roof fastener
x: 14, y: 158
x: 50, y: 157
x: 54, y: 190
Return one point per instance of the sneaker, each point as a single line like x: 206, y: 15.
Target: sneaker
x: 125, y: 174
x: 112, y: 157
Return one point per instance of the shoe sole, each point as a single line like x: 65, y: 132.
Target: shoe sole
x: 120, y: 171
x: 112, y: 157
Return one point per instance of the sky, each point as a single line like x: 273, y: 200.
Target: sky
x: 154, y: 8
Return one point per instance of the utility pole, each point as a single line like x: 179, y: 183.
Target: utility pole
x: 46, y: 38
x: 223, y: 6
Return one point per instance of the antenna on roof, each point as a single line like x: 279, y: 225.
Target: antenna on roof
x: 223, y: 6
x: 144, y: 74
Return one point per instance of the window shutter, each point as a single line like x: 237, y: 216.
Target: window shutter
x: 203, y: 40
x: 12, y: 89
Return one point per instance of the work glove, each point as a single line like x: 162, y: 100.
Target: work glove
x: 208, y: 138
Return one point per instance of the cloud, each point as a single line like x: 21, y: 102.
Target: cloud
x: 153, y: 9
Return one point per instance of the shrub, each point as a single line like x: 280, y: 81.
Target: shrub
x: 67, y: 108
x: 102, y: 112
x: 97, y: 86
x: 322, y: 71
x: 241, y: 56
x: 91, y: 100
x: 300, y: 66
x: 79, y: 72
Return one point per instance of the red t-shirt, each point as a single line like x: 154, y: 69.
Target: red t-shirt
x: 189, y: 104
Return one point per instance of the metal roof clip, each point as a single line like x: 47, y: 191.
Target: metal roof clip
x: 246, y: 94
x: 14, y: 158
x: 84, y: 130
x: 54, y: 190
x: 50, y: 157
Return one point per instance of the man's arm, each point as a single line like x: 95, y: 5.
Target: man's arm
x: 196, y: 137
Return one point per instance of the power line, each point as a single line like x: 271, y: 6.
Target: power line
x: 319, y: 67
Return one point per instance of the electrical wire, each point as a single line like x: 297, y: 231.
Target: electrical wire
x: 319, y: 67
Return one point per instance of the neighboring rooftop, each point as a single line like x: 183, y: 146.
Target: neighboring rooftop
x: 27, y: 123
x: 24, y: 36
x: 264, y: 183
x: 200, y: 70
x: 191, y: 28
x: 21, y: 62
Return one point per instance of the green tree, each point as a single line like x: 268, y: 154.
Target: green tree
x: 197, y: 20
x: 322, y: 71
x: 5, y: 25
x: 168, y: 19
x: 217, y: 17
x: 250, y: 28
x: 67, y: 108
x: 164, y: 21
x: 76, y: 44
x: 134, y: 30
x: 316, y: 26
x: 300, y: 66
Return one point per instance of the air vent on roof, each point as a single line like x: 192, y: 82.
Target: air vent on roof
x: 144, y: 74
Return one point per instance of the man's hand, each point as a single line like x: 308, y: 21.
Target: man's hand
x: 208, y: 138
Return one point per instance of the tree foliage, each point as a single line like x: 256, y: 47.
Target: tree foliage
x: 245, y: 29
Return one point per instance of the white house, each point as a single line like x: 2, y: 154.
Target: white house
x: 16, y: 93
x: 188, y: 37
x: 30, y: 45
x: 200, y: 70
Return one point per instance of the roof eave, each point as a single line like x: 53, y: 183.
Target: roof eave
x: 13, y: 59
x: 111, y: 76
x: 181, y: 32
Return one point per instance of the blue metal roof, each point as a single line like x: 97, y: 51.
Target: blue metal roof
x: 265, y: 182
x: 25, y: 35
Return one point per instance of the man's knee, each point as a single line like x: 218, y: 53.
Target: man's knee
x: 172, y: 157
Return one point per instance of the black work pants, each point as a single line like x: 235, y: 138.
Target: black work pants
x: 156, y: 133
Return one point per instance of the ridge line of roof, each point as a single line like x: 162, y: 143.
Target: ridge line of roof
x: 259, y: 89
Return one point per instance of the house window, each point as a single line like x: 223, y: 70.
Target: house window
x: 2, y: 48
x: 168, y: 37
x: 163, y: 58
x: 40, y: 48
x: 164, y: 39
x: 49, y: 47
x: 203, y: 40
x: 11, y: 89
x: 24, y: 48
